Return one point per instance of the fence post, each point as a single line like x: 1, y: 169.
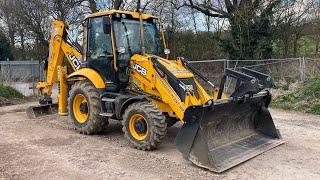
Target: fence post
x: 304, y: 69
x: 40, y: 71
x: 10, y: 74
x: 226, y: 87
x: 228, y: 64
x: 32, y: 74
x: 300, y: 69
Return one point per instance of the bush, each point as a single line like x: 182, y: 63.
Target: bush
x: 306, y: 98
x: 312, y: 88
x: 315, y: 109
x: 289, y: 97
x: 9, y: 92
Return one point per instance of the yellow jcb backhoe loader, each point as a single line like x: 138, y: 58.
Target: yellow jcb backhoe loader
x: 122, y: 72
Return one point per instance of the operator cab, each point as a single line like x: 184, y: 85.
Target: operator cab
x: 113, y: 37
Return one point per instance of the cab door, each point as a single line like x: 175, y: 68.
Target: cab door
x: 99, y: 54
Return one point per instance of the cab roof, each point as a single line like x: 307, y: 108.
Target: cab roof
x: 113, y: 11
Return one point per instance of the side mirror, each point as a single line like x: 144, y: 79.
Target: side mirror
x: 106, y: 25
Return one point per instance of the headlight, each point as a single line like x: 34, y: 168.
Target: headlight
x: 166, y: 51
x: 121, y: 50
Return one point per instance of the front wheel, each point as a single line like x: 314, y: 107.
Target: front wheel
x: 85, y: 107
x: 144, y: 125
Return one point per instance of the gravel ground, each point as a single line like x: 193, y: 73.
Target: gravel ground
x: 48, y: 148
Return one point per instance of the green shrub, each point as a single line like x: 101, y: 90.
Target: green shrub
x: 289, y: 106
x: 9, y: 92
x: 306, y: 98
x: 312, y: 88
x: 315, y: 109
x: 289, y: 97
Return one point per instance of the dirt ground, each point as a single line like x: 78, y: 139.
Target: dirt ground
x: 48, y: 148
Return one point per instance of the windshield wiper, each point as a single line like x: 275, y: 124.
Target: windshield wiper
x: 127, y: 37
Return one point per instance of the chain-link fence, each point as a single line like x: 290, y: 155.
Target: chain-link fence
x: 281, y: 70
x: 20, y: 71
x: 21, y: 75
x: 290, y: 69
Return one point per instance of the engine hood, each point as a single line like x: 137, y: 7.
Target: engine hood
x: 174, y: 66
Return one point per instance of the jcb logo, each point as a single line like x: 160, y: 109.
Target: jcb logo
x: 75, y: 61
x: 140, y: 69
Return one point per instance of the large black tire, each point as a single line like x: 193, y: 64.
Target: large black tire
x: 94, y: 123
x: 156, y: 125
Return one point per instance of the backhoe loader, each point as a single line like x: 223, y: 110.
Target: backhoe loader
x: 122, y: 72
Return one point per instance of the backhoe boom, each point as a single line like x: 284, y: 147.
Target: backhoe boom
x: 59, y: 49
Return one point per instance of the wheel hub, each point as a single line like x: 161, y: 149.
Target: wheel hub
x: 140, y: 126
x: 84, y: 108
x: 80, y: 108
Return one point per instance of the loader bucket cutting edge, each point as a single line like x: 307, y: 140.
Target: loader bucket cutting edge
x: 231, y: 133
x: 37, y: 111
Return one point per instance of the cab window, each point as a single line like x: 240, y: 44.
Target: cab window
x: 99, y: 42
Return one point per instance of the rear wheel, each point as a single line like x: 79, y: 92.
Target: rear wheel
x: 85, y: 107
x: 144, y: 125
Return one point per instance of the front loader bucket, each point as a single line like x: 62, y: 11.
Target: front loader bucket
x: 227, y: 134
x: 37, y: 111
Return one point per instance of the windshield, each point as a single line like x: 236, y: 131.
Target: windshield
x: 127, y: 33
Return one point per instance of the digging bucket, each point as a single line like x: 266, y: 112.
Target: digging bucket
x: 43, y: 110
x: 222, y: 136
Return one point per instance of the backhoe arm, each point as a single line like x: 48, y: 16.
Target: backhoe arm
x: 58, y: 49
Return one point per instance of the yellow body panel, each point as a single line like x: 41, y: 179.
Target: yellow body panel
x: 152, y: 83
x: 176, y: 68
x: 90, y: 74
x: 63, y: 91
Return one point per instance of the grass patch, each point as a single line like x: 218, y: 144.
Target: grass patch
x: 286, y: 106
x: 306, y: 98
x: 315, y: 109
x: 312, y: 88
x: 9, y: 92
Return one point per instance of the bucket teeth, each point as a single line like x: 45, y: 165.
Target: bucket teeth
x: 37, y: 111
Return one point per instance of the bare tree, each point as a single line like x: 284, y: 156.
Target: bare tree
x: 7, y: 13
x: 290, y: 21
x: 246, y: 18
x: 314, y: 24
